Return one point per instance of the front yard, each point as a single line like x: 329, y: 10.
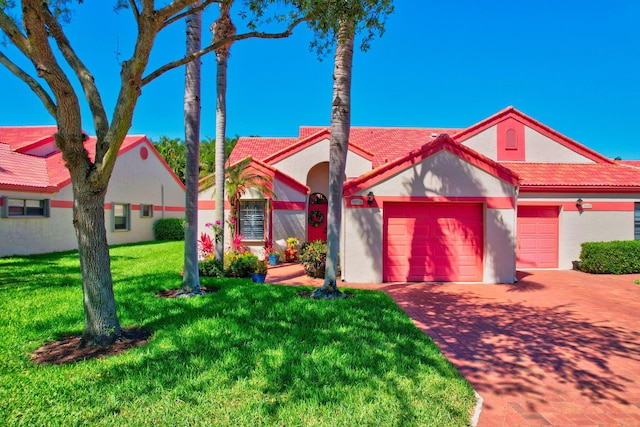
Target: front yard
x: 247, y: 355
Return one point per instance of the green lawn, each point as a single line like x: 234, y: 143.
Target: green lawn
x: 248, y: 355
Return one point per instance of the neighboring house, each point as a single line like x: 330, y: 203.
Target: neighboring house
x: 465, y: 205
x: 36, y: 197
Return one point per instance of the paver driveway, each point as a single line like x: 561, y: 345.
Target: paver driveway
x: 558, y: 348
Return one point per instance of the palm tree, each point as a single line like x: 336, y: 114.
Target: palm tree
x: 338, y: 148
x: 190, y: 278
x: 239, y: 179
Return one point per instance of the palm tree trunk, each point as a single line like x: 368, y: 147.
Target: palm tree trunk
x: 222, y: 28
x: 338, y: 148
x: 191, y: 279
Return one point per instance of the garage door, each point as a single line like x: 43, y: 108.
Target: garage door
x: 428, y: 242
x: 537, y: 237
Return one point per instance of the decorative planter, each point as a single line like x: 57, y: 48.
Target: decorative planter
x: 258, y: 278
x: 273, y: 259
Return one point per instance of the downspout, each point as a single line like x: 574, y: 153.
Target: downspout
x: 162, y: 198
x: 515, y: 232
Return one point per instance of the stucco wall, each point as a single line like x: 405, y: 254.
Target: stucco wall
x: 443, y: 174
x: 134, y: 181
x: 538, y: 147
x: 298, y: 165
x: 440, y: 176
x: 142, y: 181
x: 499, y: 246
x: 485, y: 143
x: 542, y: 149
x: 23, y: 236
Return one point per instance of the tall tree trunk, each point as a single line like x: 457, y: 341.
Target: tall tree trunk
x: 222, y: 28
x: 338, y: 148
x: 101, y: 325
x: 190, y: 278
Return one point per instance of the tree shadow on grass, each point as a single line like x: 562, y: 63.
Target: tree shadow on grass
x: 508, y: 347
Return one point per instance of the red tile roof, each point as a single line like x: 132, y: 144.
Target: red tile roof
x: 24, y: 172
x: 384, y: 144
x: 21, y: 137
x: 575, y: 175
x: 258, y: 148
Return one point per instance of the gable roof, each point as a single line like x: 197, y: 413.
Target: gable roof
x: 442, y: 143
x: 264, y: 169
x: 378, y: 144
x: 511, y: 112
x: 47, y: 174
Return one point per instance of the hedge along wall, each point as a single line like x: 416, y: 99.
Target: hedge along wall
x: 617, y: 257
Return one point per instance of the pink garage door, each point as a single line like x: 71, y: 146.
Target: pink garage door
x: 433, y: 242
x: 537, y: 237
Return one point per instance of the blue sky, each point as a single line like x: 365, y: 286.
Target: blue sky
x: 573, y: 65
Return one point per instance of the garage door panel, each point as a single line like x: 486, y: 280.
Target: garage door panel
x: 537, y: 239
x: 444, y: 242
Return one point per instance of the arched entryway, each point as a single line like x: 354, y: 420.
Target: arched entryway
x: 317, y: 217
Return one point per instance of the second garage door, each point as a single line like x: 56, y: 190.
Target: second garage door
x: 427, y: 242
x: 537, y: 237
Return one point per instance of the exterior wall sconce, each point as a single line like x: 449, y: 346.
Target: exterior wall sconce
x: 370, y: 198
x: 579, y: 205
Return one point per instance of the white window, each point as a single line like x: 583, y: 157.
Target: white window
x: 146, y: 211
x: 251, y: 219
x: 121, y: 215
x: 25, y: 207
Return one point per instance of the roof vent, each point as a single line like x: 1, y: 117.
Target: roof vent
x: 433, y: 134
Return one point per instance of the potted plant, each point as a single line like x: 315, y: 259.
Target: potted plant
x: 259, y: 274
x: 271, y: 252
x: 291, y: 253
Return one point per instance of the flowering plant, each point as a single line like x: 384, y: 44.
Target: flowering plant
x: 217, y: 228
x: 205, y: 246
x: 269, y: 249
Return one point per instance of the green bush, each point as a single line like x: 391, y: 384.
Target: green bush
x: 617, y: 257
x: 169, y: 229
x: 313, y: 256
x: 211, y: 267
x: 240, y: 265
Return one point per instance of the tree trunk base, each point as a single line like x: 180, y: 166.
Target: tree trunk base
x: 100, y: 341
x: 190, y: 294
x: 329, y: 291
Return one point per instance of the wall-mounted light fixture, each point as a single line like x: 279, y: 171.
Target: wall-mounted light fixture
x: 579, y: 205
x: 370, y: 198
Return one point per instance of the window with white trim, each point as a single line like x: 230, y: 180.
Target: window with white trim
x: 146, y: 211
x: 121, y: 216
x: 251, y: 219
x: 21, y: 208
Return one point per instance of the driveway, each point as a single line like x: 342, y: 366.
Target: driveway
x: 558, y: 348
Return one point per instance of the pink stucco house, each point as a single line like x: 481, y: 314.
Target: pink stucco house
x: 36, y: 198
x: 468, y: 205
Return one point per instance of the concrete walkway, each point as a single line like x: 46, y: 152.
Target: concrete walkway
x: 558, y: 348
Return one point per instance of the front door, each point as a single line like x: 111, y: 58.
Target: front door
x: 317, y: 217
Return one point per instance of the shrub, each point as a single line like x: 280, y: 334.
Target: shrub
x: 313, y: 256
x: 169, y: 229
x: 617, y: 257
x: 240, y: 265
x: 211, y: 267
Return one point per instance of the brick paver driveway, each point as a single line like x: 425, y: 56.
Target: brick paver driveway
x: 558, y: 348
